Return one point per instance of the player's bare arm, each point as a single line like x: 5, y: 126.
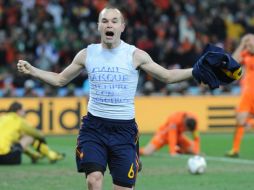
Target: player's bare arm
x: 143, y: 61
x: 237, y: 53
x: 55, y: 79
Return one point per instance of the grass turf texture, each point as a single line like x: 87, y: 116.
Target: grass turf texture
x: 160, y: 171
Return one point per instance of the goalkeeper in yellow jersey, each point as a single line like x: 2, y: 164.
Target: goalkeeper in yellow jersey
x: 17, y: 136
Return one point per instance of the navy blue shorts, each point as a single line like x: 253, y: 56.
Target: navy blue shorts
x: 106, y: 142
x: 14, y: 157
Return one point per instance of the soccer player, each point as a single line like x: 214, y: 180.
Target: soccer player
x: 173, y: 134
x: 244, y: 54
x: 17, y: 136
x: 109, y: 133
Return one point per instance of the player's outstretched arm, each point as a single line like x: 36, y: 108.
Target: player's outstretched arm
x: 145, y: 62
x: 55, y: 79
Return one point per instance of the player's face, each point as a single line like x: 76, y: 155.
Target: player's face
x: 111, y: 26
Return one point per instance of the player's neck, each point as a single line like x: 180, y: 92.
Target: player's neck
x: 111, y: 45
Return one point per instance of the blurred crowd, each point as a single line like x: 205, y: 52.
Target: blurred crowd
x: 48, y: 33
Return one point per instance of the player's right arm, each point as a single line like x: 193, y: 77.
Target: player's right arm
x: 55, y: 79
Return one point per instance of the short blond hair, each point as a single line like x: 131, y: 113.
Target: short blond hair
x: 112, y: 7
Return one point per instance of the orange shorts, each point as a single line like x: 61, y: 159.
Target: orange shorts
x: 246, y: 103
x: 184, y: 144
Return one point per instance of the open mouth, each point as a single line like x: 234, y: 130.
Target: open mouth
x: 109, y: 34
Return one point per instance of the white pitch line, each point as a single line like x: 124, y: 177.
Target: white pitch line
x: 212, y: 158
x: 229, y: 160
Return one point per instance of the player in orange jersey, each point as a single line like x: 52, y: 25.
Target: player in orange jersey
x: 173, y: 134
x: 244, y: 54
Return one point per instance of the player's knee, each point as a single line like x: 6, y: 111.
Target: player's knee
x: 240, y: 121
x: 241, y: 118
x: 144, y: 152
x: 94, y: 179
x: 148, y: 150
x: 26, y: 141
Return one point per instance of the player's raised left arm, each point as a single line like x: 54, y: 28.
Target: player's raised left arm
x: 145, y: 62
x: 247, y: 42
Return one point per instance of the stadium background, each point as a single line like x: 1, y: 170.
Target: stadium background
x: 63, y: 115
x: 48, y: 33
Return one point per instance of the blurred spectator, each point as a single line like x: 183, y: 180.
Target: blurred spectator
x: 47, y: 56
x: 86, y: 87
x: 29, y: 90
x: 148, y: 88
x: 173, y: 32
x: 50, y: 91
x: 8, y: 87
x: 70, y: 90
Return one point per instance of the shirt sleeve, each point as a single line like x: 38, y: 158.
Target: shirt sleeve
x: 172, y: 138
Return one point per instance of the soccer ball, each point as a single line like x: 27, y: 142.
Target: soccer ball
x: 197, y: 164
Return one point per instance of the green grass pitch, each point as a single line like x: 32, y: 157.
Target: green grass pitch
x: 160, y: 172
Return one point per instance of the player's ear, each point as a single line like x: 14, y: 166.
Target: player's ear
x: 123, y: 27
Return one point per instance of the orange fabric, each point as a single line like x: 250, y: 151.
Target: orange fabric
x: 250, y: 122
x: 172, y: 133
x: 248, y: 79
x: 246, y: 102
x: 247, y: 97
x: 239, y: 132
x: 186, y: 144
x: 172, y: 138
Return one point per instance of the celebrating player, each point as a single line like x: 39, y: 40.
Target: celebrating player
x: 109, y: 134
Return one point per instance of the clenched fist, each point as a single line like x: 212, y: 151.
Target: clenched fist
x: 24, y: 67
